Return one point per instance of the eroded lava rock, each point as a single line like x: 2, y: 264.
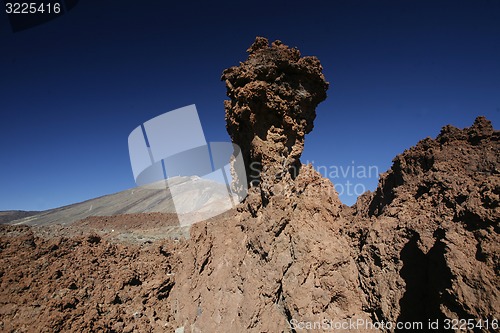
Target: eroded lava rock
x: 273, y: 97
x: 428, y: 236
x: 424, y: 246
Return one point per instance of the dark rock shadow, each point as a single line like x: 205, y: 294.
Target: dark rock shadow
x: 427, y: 279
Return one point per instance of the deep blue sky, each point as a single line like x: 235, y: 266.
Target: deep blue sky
x: 72, y: 90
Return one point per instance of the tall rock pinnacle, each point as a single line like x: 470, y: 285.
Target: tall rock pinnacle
x: 273, y: 97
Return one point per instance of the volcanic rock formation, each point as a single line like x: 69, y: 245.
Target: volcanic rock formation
x: 423, y: 247
x: 428, y: 236
x: 273, y: 97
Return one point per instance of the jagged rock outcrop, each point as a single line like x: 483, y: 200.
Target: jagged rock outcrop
x: 261, y: 274
x: 428, y: 236
x: 273, y: 97
x: 423, y: 247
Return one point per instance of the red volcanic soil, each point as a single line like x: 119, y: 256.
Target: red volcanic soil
x: 83, y: 283
x: 423, y: 247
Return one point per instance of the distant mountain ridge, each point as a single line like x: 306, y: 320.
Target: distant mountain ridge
x: 12, y: 215
x: 155, y: 197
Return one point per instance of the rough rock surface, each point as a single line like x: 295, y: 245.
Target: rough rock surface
x: 273, y: 98
x: 424, y: 246
x: 428, y: 236
x: 83, y: 284
x: 289, y: 262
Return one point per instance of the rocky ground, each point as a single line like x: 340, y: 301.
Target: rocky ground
x: 423, y: 247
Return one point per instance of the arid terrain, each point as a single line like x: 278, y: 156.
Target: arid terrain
x: 424, y: 247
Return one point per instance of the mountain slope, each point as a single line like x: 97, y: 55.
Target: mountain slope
x: 155, y: 197
x: 12, y: 215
